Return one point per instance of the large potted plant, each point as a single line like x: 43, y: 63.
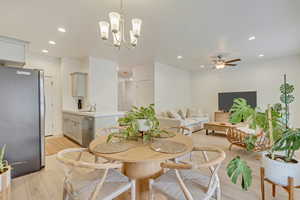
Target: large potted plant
x: 279, y: 162
x: 139, y: 122
x: 5, y: 177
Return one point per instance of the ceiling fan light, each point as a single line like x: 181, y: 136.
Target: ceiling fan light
x: 117, y: 39
x: 133, y: 39
x: 104, y: 30
x: 136, y: 27
x: 220, y: 66
x: 114, y: 18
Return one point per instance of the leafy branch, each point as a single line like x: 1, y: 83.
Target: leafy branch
x: 237, y: 168
x: 3, y: 163
x: 131, y: 123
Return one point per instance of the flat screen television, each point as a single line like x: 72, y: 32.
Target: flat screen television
x: 226, y: 99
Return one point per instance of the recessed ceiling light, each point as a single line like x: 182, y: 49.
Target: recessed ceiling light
x: 60, y: 29
x: 131, y: 79
x: 45, y: 51
x: 179, y: 57
x: 251, y: 38
x: 52, y: 42
x: 261, y: 55
x: 202, y: 66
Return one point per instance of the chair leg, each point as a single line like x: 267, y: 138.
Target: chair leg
x: 65, y: 194
x: 96, y: 159
x: 219, y: 193
x: 151, y: 196
x: 230, y: 147
x: 273, y: 190
x: 262, y: 182
x: 291, y: 188
x: 133, y: 190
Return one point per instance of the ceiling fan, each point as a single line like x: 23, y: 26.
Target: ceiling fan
x: 219, y: 62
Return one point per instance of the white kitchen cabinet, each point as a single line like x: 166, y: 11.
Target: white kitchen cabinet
x: 12, y: 51
x: 79, y: 84
x: 78, y: 128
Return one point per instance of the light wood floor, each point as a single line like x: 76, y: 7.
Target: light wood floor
x: 47, y: 184
x: 54, y: 144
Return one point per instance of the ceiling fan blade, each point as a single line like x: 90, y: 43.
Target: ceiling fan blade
x: 234, y: 60
x: 230, y: 64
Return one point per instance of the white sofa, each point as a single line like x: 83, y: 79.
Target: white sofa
x: 194, y: 122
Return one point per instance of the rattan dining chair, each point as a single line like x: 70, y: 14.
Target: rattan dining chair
x: 184, y: 180
x: 184, y: 131
x: 109, y: 130
x: 180, y: 129
x: 92, y: 180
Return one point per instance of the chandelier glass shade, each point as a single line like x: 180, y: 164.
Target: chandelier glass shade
x: 116, y: 26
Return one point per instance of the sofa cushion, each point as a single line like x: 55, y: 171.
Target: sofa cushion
x: 188, y: 113
x: 173, y: 114
x: 180, y: 112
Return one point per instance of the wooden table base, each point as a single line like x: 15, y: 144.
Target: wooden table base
x: 142, y: 172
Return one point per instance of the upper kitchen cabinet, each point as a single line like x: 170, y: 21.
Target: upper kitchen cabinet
x: 12, y: 51
x: 79, y: 84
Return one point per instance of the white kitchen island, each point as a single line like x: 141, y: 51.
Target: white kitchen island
x: 82, y: 127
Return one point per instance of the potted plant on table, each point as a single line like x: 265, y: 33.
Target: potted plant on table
x: 279, y: 162
x: 139, y: 123
x: 5, y: 177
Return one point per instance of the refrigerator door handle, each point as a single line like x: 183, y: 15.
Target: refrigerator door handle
x: 42, y: 116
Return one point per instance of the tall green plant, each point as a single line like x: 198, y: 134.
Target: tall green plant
x: 290, y: 143
x: 273, y: 122
x: 286, y: 98
x: 256, y: 118
x: 268, y: 121
x: 3, y: 163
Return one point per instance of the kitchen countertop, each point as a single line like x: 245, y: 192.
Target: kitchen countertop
x: 94, y: 114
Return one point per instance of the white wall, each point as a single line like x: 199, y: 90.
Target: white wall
x: 143, y: 77
x: 68, y: 66
x: 265, y: 77
x: 51, y: 67
x: 172, y: 87
x: 103, y: 84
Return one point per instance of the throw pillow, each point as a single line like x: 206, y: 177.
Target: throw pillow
x: 169, y: 114
x: 181, y: 114
x: 174, y: 115
x: 188, y: 113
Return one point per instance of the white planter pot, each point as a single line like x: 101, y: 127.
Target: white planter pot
x: 143, y: 125
x: 5, y: 181
x: 278, y: 172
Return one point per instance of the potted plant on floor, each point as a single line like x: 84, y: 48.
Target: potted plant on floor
x: 5, y: 177
x: 140, y: 123
x: 279, y: 162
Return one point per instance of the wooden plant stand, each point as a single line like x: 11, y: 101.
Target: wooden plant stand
x: 289, y: 188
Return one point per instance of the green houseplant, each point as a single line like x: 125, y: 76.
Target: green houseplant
x: 5, y: 176
x: 140, y: 122
x: 3, y: 163
x: 279, y: 162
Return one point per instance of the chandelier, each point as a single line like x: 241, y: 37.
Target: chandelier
x: 117, y: 29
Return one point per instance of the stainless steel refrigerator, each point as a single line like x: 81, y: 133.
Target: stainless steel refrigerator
x: 22, y: 118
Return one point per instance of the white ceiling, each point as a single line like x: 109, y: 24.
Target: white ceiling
x: 194, y: 29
